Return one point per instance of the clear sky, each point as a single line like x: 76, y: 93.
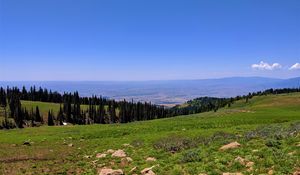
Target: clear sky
x: 148, y: 39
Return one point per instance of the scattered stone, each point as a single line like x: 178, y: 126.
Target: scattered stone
x: 70, y: 145
x: 119, y: 153
x: 14, y: 145
x: 110, y: 151
x: 132, y: 170
x: 150, y: 172
x: 129, y: 159
x: 241, y: 160
x: 127, y: 145
x: 202, y: 174
x: 87, y: 157
x: 126, y: 161
x: 255, y: 150
x: 232, y: 174
x: 147, y: 170
x: 231, y: 145
x: 151, y: 159
x: 292, y: 153
x: 245, y: 163
x: 27, y: 143
x: 296, y: 173
x: 101, y: 155
x: 249, y: 164
x: 108, y: 171
x: 270, y: 172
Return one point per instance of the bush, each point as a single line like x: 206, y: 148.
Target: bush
x: 137, y: 143
x: 278, y: 132
x: 273, y: 143
x: 191, y: 156
x: 175, y: 143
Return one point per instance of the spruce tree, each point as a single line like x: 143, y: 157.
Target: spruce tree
x: 60, y: 116
x: 38, y: 117
x: 50, y: 119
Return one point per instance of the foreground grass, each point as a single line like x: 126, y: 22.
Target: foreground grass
x: 181, y: 145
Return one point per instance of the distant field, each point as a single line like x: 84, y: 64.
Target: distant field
x: 268, y: 129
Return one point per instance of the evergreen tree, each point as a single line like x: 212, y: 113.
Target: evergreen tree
x: 38, y: 117
x: 60, y: 116
x: 50, y: 119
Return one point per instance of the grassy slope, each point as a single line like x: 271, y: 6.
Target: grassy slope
x: 42, y: 157
x: 44, y: 107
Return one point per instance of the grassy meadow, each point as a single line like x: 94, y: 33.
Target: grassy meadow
x: 267, y: 128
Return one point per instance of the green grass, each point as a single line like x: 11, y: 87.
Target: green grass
x: 44, y: 107
x: 196, y: 139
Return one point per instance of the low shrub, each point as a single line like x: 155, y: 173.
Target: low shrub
x: 273, y: 143
x: 191, y: 156
x: 175, y: 143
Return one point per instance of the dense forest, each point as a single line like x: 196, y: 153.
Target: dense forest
x: 100, y: 110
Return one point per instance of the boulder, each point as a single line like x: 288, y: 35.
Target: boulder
x: 231, y: 145
x: 119, y: 153
x: 108, y: 171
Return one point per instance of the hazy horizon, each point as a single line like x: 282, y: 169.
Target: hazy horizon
x: 162, y: 92
x: 154, y: 80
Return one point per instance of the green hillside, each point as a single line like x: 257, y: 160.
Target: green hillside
x: 267, y: 128
x: 45, y: 106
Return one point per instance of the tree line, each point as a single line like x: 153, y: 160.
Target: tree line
x: 99, y: 110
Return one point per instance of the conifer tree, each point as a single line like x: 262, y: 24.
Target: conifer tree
x: 38, y: 117
x: 50, y: 119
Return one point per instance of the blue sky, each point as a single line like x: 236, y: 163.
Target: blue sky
x: 148, y: 39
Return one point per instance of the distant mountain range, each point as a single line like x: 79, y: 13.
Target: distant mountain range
x: 164, y: 92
